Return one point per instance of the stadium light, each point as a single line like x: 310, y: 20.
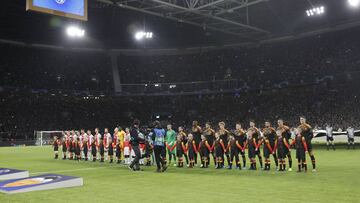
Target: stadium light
x: 354, y: 3
x: 143, y: 35
x: 316, y: 11
x: 76, y: 32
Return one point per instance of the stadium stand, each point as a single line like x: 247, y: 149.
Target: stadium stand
x: 266, y: 82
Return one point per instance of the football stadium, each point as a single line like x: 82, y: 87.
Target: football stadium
x: 179, y: 100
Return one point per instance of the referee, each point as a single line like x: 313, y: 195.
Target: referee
x: 158, y: 138
x: 134, y: 141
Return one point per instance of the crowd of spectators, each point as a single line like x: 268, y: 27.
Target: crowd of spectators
x: 316, y: 77
x: 36, y: 68
x: 302, y: 61
x: 21, y: 114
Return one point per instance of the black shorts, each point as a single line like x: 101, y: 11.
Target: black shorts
x: 204, y: 151
x: 219, y: 152
x: 267, y: 152
x: 350, y: 139
x: 251, y: 152
x: 118, y: 151
x: 93, y: 151
x: 281, y: 153
x: 329, y: 139
x: 234, y: 151
x: 77, y: 151
x: 179, y: 153
x: 300, y: 154
x: 111, y: 151
x: 287, y: 151
x: 56, y: 148
x: 197, y: 142
x: 191, y: 154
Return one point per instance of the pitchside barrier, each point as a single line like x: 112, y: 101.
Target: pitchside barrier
x: 337, y: 139
x: 339, y: 136
x: 17, y: 143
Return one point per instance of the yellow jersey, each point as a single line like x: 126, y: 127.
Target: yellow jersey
x: 121, y: 135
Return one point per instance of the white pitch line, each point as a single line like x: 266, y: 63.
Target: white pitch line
x: 80, y: 169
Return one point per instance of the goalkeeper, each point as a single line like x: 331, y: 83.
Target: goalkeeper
x: 170, y: 142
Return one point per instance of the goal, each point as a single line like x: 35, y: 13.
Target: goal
x: 46, y: 137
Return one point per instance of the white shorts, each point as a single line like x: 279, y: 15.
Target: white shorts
x: 127, y: 151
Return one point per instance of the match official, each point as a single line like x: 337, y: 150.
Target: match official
x: 158, y: 138
x: 134, y: 140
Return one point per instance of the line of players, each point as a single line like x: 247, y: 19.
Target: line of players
x: 86, y: 146
x: 275, y: 143
x: 219, y: 144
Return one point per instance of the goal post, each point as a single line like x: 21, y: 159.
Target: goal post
x: 46, y: 137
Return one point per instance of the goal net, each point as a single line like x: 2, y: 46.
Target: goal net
x: 46, y: 137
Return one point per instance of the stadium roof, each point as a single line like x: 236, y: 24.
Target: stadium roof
x: 216, y: 15
x: 180, y: 23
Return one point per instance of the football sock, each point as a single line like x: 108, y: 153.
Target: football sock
x: 313, y: 161
x: 260, y: 160
x: 276, y: 160
x: 290, y: 160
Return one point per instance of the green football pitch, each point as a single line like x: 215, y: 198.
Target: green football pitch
x: 336, y: 180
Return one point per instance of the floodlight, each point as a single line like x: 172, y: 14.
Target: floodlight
x: 143, y: 35
x: 74, y: 31
x: 354, y: 3
x: 139, y: 35
x: 316, y: 11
